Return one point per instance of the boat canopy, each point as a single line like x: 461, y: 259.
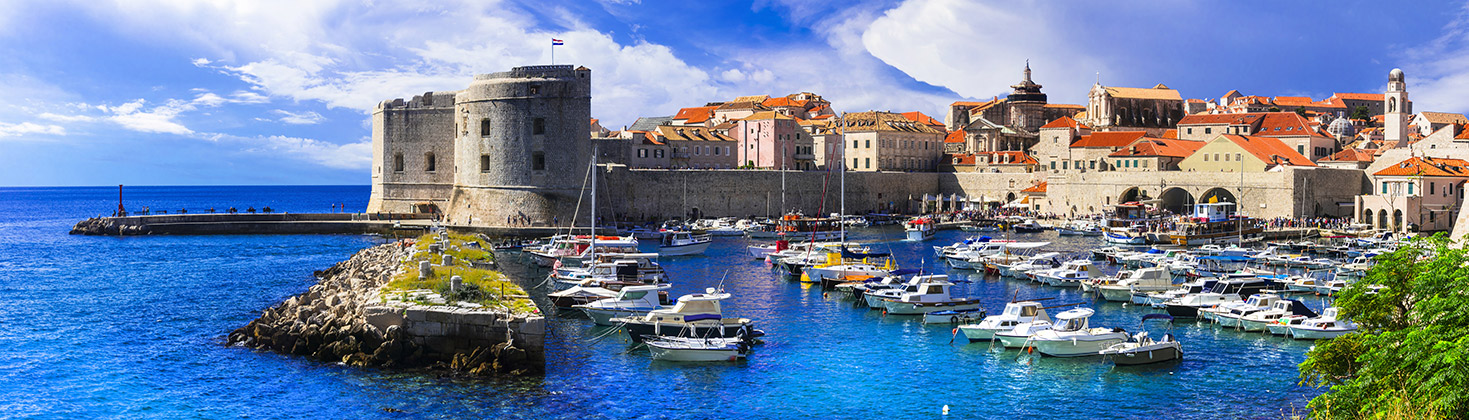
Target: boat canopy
x: 701, y: 317
x: 905, y: 271
x: 1164, y: 317
x: 1077, y: 313
x: 1299, y: 308
x: 850, y: 254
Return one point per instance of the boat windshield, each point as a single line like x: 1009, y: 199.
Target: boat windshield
x: 634, y: 295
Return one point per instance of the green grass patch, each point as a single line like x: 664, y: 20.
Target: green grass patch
x: 485, y: 287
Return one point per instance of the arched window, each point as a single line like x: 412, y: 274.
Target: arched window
x: 429, y: 162
x: 397, y: 162
x: 1392, y: 104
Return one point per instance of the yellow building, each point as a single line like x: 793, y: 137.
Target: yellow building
x: 1236, y: 153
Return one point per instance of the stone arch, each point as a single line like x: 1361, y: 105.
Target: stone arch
x: 1009, y: 198
x: 1176, y: 200
x: 1397, y: 220
x: 1219, y: 195
x: 1364, y: 216
x: 1381, y: 219
x: 1129, y: 194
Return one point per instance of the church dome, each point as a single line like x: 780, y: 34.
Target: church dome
x: 1395, y: 76
x: 1341, y: 127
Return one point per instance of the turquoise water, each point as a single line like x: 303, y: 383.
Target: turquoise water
x: 134, y: 327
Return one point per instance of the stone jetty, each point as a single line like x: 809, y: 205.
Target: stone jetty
x: 346, y: 318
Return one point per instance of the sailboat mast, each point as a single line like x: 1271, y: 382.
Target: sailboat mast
x: 843, y: 167
x: 782, y: 180
x: 594, y: 203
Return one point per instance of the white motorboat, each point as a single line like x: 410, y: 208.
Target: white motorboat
x: 1221, y: 293
x: 1074, y: 337
x: 1044, y: 261
x: 1328, y: 325
x: 678, y: 243
x: 695, y: 315
x: 889, y: 288
x: 1018, y: 337
x: 1069, y: 275
x: 846, y: 263
x: 1141, y: 349
x: 1151, y: 279
x: 1125, y: 236
x: 1015, y: 313
x: 1229, y: 315
x: 612, y: 272
x: 1260, y: 321
x: 920, y: 229
x: 1028, y: 226
x: 578, y: 295
x: 1282, y: 326
x: 698, y: 349
x: 630, y: 301
x: 933, y: 295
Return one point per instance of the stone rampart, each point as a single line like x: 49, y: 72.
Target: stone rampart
x: 654, y: 194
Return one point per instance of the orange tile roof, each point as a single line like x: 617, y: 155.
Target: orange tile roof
x: 1427, y: 166
x: 822, y: 117
x: 691, y: 134
x: 1014, y: 157
x: 767, y: 115
x: 1359, y: 96
x: 1292, y: 101
x: 1148, y: 146
x: 987, y: 105
x: 883, y: 121
x: 648, y: 138
x: 594, y: 121
x: 1109, y: 138
x: 1463, y: 133
x: 1171, y: 133
x: 1195, y: 101
x: 956, y: 136
x: 1352, y: 155
x: 1269, y: 150
x: 1214, y: 119
x: 961, y: 158
x: 696, y: 114
x: 1065, y: 122
x: 1444, y: 117
x: 1038, y: 188
x: 921, y: 118
x: 783, y: 101
x: 1285, y: 124
x: 1156, y: 92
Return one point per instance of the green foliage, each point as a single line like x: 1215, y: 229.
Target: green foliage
x: 485, y: 287
x: 1361, y: 113
x: 1274, y: 109
x: 1410, y: 356
x: 1301, y: 110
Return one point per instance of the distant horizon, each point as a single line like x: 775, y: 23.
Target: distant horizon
x: 126, y: 186
x: 152, y: 92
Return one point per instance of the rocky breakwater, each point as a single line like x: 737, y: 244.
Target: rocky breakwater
x: 358, y: 314
x: 115, y: 226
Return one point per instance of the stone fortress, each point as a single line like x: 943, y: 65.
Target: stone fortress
x: 515, y: 144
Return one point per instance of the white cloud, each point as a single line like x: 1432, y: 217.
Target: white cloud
x: 356, y: 155
x: 66, y: 118
x: 298, y: 118
x: 978, y: 50
x: 201, y: 62
x: 28, y: 128
x: 1438, y: 73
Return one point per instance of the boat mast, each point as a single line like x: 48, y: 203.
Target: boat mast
x: 782, y: 180
x: 843, y: 219
x: 1239, y: 215
x: 594, y: 204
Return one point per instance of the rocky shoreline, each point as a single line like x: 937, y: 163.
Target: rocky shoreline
x: 343, y: 318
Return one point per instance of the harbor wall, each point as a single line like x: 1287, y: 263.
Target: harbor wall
x: 656, y: 194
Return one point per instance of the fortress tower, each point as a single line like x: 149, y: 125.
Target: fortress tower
x: 521, y: 145
x: 413, y: 154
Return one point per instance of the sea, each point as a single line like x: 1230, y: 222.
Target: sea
x: 135, y: 327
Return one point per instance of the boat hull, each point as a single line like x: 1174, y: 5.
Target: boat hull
x: 976, y: 333
x: 681, y: 250
x: 1147, y: 356
x: 1080, y: 347
x: 894, y: 307
x: 1300, y: 333
x: 730, y: 328
x: 919, y: 235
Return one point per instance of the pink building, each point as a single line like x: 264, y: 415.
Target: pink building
x: 771, y: 140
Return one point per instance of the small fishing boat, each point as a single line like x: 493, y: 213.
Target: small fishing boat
x: 697, y: 349
x: 1260, y: 321
x: 679, y: 243
x: 1141, y: 349
x: 1069, y: 275
x: 1015, y: 313
x: 920, y: 229
x: 630, y: 301
x: 1028, y: 226
x: 1074, y: 336
x: 932, y: 296
x: 954, y: 316
x: 1328, y: 325
x: 695, y: 315
x: 1151, y: 279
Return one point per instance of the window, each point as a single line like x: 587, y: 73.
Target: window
x: 1384, y: 188
x: 1208, y: 130
x: 1239, y: 157
x: 1053, y: 165
x: 538, y: 126
x: 428, y: 162
x: 642, y: 153
x: 869, y: 144
x: 869, y: 163
x: 697, y: 150
x: 484, y: 127
x: 658, y: 154
x: 534, y: 89
x: 1432, y: 188
x: 716, y: 150
x: 1301, y: 148
x: 1190, y: 130
x: 1145, y: 163
x: 1063, y: 164
x: 484, y: 163
x: 1091, y: 165
x: 854, y: 144
x: 854, y: 162
x: 1410, y: 188
x: 1206, y: 157
x: 1216, y: 157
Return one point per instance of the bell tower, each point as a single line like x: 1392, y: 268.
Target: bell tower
x: 1395, y: 109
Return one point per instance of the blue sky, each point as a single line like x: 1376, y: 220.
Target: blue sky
x: 183, y: 92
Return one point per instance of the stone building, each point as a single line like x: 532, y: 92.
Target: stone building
x: 697, y: 148
x: 771, y: 140
x: 1090, y: 152
x: 1291, y: 128
x: 1429, y: 122
x: 1153, y: 154
x: 1421, y: 194
x: 885, y: 141
x: 1008, y: 124
x: 413, y: 154
x: 826, y: 140
x: 1153, y: 110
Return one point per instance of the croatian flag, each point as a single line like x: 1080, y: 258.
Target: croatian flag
x: 555, y: 41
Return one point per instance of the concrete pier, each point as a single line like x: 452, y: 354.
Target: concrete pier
x: 294, y: 223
